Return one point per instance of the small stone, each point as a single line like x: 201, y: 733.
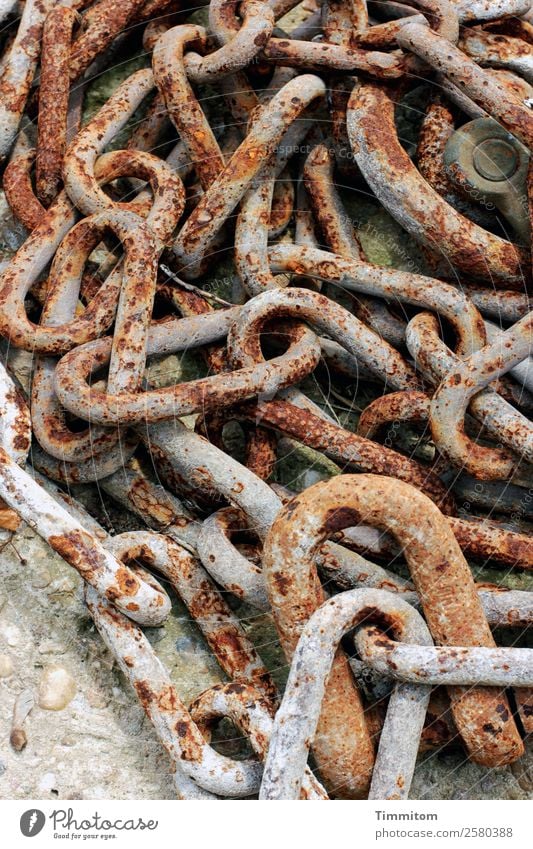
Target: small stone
x: 155, y: 635
x: 56, y: 689
x: 62, y: 585
x: 18, y: 739
x: 47, y: 782
x: 41, y: 578
x: 11, y: 635
x: 51, y: 647
x: 6, y: 666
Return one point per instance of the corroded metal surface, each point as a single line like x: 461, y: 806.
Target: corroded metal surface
x: 419, y: 208
x: 245, y: 707
x: 19, y: 68
x: 53, y: 101
x: 434, y: 558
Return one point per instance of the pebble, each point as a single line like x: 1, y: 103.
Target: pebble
x: 47, y: 782
x: 6, y: 666
x: 51, y: 647
x: 56, y: 689
x: 62, y: 585
x: 18, y: 739
x: 41, y: 578
x: 11, y: 635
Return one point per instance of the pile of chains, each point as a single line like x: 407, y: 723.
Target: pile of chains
x: 232, y: 139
